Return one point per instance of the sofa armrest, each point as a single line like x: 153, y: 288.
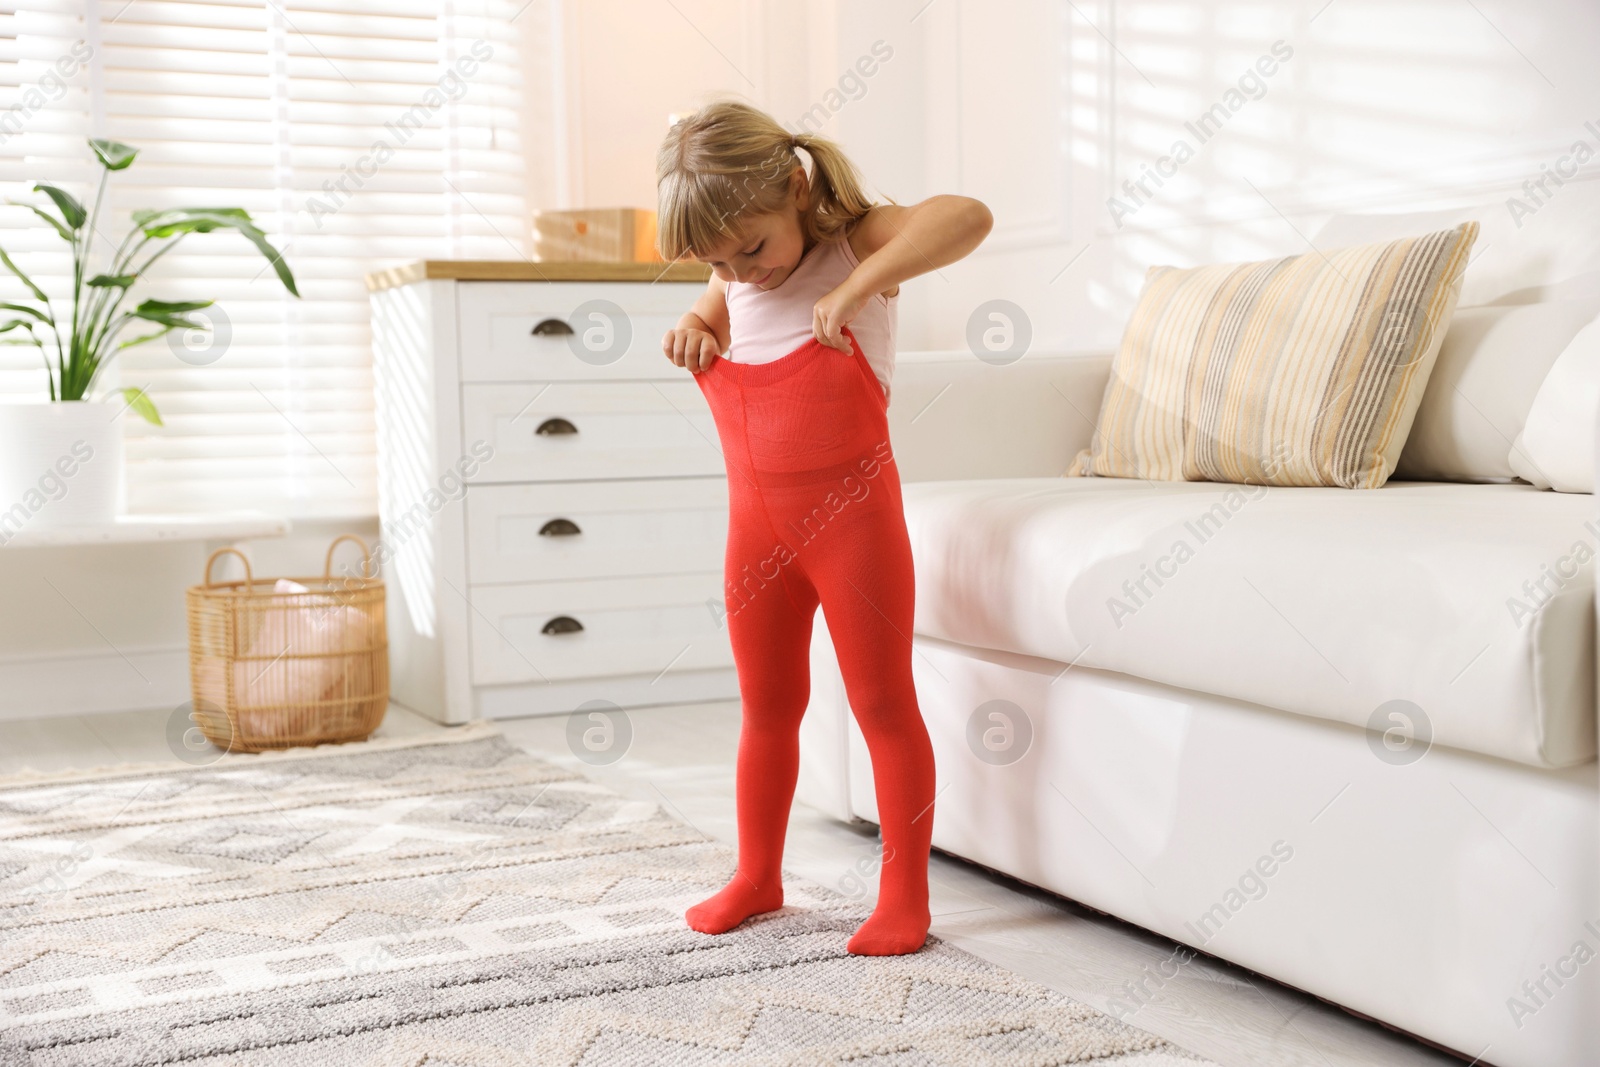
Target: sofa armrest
x: 952, y: 416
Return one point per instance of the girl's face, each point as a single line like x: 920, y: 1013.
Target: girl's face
x: 772, y: 247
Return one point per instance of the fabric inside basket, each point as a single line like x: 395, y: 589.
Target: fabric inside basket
x: 291, y: 661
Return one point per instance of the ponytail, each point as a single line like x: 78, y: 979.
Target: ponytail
x: 729, y: 161
x: 837, y: 198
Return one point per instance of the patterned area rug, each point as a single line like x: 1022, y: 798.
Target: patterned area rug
x: 457, y: 904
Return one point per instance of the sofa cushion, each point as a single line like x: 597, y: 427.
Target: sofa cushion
x: 1489, y: 370
x: 1555, y: 449
x: 1303, y: 371
x: 1473, y: 602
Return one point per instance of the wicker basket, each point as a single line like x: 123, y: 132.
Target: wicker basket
x: 279, y: 669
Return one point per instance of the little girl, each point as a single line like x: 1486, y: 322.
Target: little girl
x: 792, y: 344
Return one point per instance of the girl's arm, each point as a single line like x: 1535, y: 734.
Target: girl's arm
x: 702, y: 334
x: 894, y: 244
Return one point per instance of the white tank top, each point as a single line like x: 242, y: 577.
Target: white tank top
x: 768, y: 324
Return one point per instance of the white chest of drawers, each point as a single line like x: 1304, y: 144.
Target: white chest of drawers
x: 552, y: 493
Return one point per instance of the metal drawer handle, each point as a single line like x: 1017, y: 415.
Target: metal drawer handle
x: 562, y: 624
x: 552, y: 328
x: 555, y: 425
x: 559, y: 528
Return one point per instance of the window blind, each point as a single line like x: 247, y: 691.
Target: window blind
x: 356, y: 134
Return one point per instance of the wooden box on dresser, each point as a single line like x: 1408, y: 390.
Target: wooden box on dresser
x: 551, y: 490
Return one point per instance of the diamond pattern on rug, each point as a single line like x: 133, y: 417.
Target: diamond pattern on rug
x: 452, y: 903
x: 251, y: 842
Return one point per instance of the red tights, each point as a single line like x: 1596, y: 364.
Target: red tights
x: 815, y: 517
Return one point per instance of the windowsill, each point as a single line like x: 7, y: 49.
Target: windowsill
x: 143, y: 529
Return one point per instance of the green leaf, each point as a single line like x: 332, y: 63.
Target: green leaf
x: 114, y: 155
x: 175, y: 306
x: 144, y: 215
x: 171, y: 322
x: 11, y: 324
x: 113, y: 281
x: 145, y: 337
x: 264, y: 246
x: 140, y: 402
x: 66, y: 234
x: 205, y: 220
x: 26, y: 310
x: 170, y: 315
x: 192, y: 220
x: 14, y: 269
x: 71, y: 210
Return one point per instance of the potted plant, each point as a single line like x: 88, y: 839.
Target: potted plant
x: 61, y: 460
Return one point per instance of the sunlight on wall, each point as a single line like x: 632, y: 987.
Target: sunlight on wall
x: 1300, y: 109
x: 1225, y: 131
x: 403, y: 379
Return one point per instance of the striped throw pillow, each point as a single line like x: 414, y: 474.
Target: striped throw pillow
x: 1299, y: 371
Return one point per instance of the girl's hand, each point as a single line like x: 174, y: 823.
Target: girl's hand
x: 834, y: 312
x: 691, y: 348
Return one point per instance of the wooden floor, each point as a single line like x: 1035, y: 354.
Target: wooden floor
x: 682, y: 758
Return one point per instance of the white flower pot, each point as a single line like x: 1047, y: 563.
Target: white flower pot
x: 60, y: 464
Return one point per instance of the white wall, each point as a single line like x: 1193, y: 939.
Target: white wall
x: 1042, y: 110
x: 103, y: 628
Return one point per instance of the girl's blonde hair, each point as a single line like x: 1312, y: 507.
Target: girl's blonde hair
x: 729, y: 161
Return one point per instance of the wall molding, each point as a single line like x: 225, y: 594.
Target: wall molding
x: 943, y: 43
x: 55, y: 685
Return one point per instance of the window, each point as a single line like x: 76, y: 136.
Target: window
x: 356, y: 134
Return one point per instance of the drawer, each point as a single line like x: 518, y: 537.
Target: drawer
x: 562, y: 531
x: 630, y: 626
x: 562, y: 331
x: 555, y: 431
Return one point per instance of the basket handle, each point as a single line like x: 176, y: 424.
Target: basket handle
x: 249, y: 579
x: 366, y: 557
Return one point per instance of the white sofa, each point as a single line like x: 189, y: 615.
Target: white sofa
x: 1321, y: 743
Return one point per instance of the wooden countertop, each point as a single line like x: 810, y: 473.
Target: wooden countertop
x: 520, y: 270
